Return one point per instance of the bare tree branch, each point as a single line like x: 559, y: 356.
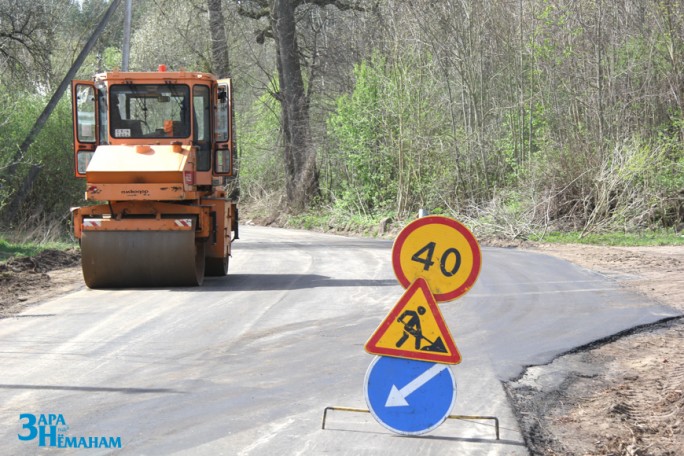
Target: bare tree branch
x: 355, y: 5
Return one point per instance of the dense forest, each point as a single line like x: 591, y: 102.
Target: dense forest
x: 518, y: 116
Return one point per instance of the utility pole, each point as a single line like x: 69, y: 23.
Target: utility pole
x: 126, y: 51
x: 18, y: 198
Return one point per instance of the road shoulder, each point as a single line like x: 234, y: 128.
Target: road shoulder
x: 620, y: 395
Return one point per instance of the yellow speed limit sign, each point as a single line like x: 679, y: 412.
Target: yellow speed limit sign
x: 440, y: 250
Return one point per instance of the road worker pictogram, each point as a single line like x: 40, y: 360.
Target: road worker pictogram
x: 412, y: 328
x: 415, y: 329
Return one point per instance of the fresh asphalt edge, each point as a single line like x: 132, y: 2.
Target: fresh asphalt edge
x: 531, y: 404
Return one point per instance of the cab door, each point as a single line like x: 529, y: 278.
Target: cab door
x: 86, y: 124
x: 224, y: 132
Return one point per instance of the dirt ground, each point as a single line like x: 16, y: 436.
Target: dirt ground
x: 619, y: 396
x: 25, y: 281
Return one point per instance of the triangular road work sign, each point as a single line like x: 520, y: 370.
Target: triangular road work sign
x: 415, y: 329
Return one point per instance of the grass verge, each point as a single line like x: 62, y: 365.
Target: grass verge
x: 10, y: 249
x: 333, y: 220
x: 619, y: 239
x: 330, y: 220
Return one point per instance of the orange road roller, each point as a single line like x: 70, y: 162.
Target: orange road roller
x: 157, y: 151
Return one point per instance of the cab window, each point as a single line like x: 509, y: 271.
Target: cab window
x: 149, y: 111
x: 85, y: 114
x: 202, y: 118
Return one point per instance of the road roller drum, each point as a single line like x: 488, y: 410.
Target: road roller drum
x: 115, y: 259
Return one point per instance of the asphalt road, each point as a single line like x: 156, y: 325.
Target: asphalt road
x: 247, y: 363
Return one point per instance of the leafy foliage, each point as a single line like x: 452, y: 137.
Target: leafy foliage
x: 519, y: 117
x: 389, y: 137
x: 261, y: 169
x: 56, y: 190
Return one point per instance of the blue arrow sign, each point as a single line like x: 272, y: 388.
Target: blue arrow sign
x: 408, y: 396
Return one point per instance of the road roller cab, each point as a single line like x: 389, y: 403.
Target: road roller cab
x: 157, y: 152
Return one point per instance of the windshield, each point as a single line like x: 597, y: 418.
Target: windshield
x: 149, y: 111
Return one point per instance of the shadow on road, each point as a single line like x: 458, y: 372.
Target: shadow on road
x: 273, y: 282
x: 90, y: 388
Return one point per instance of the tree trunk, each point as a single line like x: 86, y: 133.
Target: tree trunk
x: 300, y: 156
x: 220, y: 63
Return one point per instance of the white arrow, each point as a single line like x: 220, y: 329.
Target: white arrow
x: 397, y: 397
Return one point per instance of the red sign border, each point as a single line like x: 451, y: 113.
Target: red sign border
x: 430, y: 219
x: 419, y: 285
